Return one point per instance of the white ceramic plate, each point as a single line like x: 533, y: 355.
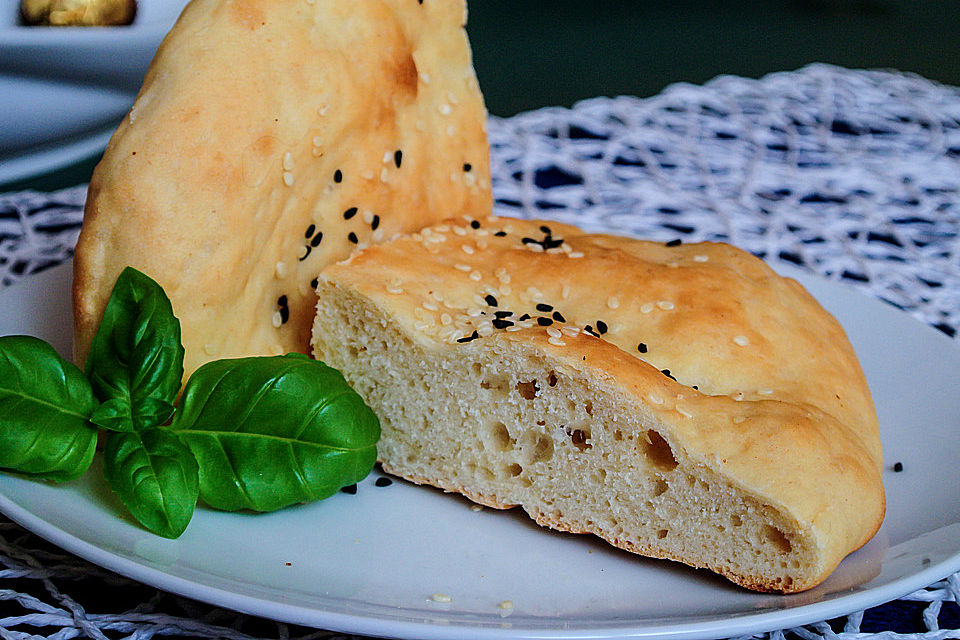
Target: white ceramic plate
x: 64, y: 89
x: 369, y: 563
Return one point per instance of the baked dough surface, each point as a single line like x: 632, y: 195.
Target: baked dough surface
x: 269, y: 139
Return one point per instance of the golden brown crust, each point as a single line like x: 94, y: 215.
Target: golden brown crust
x: 232, y: 184
x: 741, y: 369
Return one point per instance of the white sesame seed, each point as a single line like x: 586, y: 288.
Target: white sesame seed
x: 506, y: 289
x: 536, y: 248
x: 387, y: 157
x: 682, y: 411
x: 394, y: 289
x: 565, y: 292
x: 556, y: 342
x: 765, y: 391
x: 452, y: 98
x: 445, y: 319
x: 666, y: 305
x: 467, y: 249
x: 441, y: 597
x: 655, y: 398
x: 514, y: 328
x: 502, y: 275
x: 742, y: 340
x: 367, y: 175
x: 317, y: 141
x: 485, y: 329
x: 277, y: 320
x: 476, y: 508
x: 442, y: 228
x: 613, y: 302
x: 436, y: 296
x: 460, y: 231
x: 700, y: 258
x: 482, y: 243
x: 429, y: 306
x: 474, y: 312
x: 288, y: 178
x: 420, y: 326
x: 281, y: 269
x: 463, y: 267
x: 534, y: 293
x: 288, y: 161
x: 575, y: 254
x: 451, y: 130
x: 469, y: 179
x: 425, y: 77
x: 646, y: 307
x: 210, y: 349
x: 554, y: 332
x: 384, y: 175
x: 476, y: 276
x: 367, y: 216
x: 444, y: 108
x: 571, y: 331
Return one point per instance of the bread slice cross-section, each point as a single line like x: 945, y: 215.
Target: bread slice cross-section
x: 679, y: 401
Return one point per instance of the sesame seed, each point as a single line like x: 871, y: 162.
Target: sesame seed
x: 288, y: 161
x: 317, y: 141
x: 288, y: 178
x: 642, y: 348
x: 601, y: 327
x: 565, y: 292
x: 383, y: 482
x: 463, y: 267
x: 674, y: 243
x: 682, y: 411
x: 460, y: 231
x: 317, y: 239
x: 440, y: 597
x: 476, y: 276
x: 314, y: 283
x: 349, y: 213
x: 700, y: 258
x: 655, y: 398
x: 543, y: 306
x: 281, y: 269
x: 553, y: 331
x: 556, y: 342
x: 646, y: 307
x: 742, y: 340
x: 210, y: 349
x: 384, y: 175
x: 490, y: 300
x: 544, y: 322
x: 277, y: 319
x: 570, y: 331
x: 394, y: 289
x: 338, y: 176
x: 897, y: 467
x: 613, y: 302
x: 444, y: 108
x: 575, y: 254
x: 420, y: 326
x: 467, y: 249
x: 500, y: 234
x: 367, y: 175
x: 397, y: 158
x: 558, y: 317
x: 765, y: 392
x: 666, y: 305
x: 467, y: 167
x: 445, y: 319
x: 352, y: 237
x: 506, y: 604
x: 474, y: 224
x: 424, y: 77
x: 485, y: 329
x: 502, y: 323
x: 429, y: 306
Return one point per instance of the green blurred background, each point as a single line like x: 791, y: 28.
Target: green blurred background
x: 529, y: 53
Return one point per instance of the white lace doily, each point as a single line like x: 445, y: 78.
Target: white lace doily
x: 853, y: 175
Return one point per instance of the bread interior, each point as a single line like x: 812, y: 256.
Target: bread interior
x: 504, y: 424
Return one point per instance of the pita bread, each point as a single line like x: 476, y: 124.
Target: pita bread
x: 270, y: 138
x: 681, y: 402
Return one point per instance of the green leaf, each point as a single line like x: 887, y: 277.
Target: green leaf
x: 136, y: 359
x: 155, y: 476
x: 45, y: 404
x: 271, y: 432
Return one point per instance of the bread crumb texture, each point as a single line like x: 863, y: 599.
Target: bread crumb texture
x: 679, y: 401
x: 233, y: 184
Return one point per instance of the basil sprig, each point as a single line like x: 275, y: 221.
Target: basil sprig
x: 250, y: 433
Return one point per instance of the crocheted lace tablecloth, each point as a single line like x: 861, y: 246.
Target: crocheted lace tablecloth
x: 852, y: 175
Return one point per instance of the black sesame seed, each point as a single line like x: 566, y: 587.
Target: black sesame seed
x: 314, y: 283
x: 490, y: 300
x: 601, y: 326
x: 307, y: 253
x: 642, y: 348
x: 551, y: 243
x: 898, y: 467
x: 352, y: 237
x: 472, y: 336
x: 529, y: 241
x: 558, y: 317
x: 282, y: 301
x: 338, y: 176
x: 502, y: 323
x: 316, y: 239
x: 696, y: 387
x: 349, y: 213
x: 542, y: 306
x: 383, y: 482
x: 525, y: 316
x: 351, y: 489
x: 546, y: 229
x: 467, y: 166
x: 375, y: 222
x: 474, y: 224
x: 284, y: 314
x: 310, y: 231
x: 544, y: 322
x: 675, y: 242
x: 503, y: 314
x: 500, y: 234
x: 667, y: 373
x: 397, y: 157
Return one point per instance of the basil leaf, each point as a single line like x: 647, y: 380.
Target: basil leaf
x: 136, y: 359
x: 45, y: 404
x: 273, y: 431
x: 155, y: 476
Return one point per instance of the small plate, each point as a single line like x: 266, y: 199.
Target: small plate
x: 64, y: 89
x: 369, y: 563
